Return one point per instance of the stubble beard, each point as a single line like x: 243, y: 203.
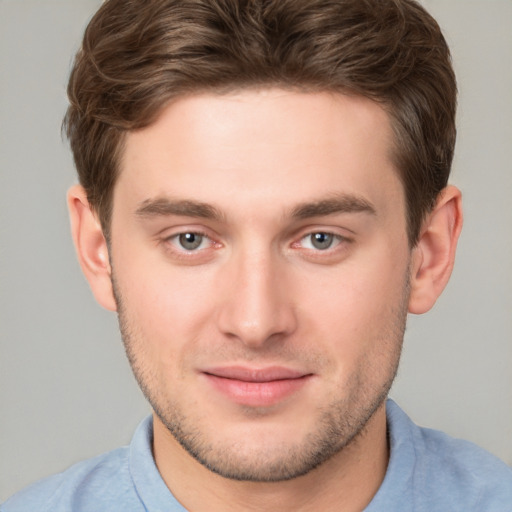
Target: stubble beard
x: 339, y: 425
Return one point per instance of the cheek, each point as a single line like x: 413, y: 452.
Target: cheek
x: 360, y: 306
x: 166, y: 309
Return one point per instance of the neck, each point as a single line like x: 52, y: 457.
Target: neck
x: 347, y: 481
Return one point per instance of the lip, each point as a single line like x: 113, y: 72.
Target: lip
x: 256, y: 387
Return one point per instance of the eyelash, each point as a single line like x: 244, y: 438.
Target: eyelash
x: 172, y: 244
x: 334, y: 238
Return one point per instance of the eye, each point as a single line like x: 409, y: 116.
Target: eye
x: 320, y: 241
x: 190, y: 241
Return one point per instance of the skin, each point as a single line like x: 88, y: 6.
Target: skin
x: 302, y: 266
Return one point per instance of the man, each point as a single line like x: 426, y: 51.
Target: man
x: 263, y: 198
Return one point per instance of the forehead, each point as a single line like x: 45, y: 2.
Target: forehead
x: 257, y: 147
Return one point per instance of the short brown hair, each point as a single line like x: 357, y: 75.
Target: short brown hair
x: 137, y: 55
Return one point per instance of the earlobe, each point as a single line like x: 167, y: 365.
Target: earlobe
x: 434, y: 255
x: 91, y: 247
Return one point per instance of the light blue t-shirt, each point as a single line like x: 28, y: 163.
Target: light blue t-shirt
x: 428, y: 472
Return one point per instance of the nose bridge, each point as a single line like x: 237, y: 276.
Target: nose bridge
x: 257, y: 306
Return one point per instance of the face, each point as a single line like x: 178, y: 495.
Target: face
x: 261, y: 268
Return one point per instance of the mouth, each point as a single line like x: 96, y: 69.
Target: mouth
x: 256, y: 387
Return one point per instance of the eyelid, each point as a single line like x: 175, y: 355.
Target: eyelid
x: 342, y: 234
x: 168, y: 239
x: 175, y: 230
x: 337, y: 239
x: 174, y: 240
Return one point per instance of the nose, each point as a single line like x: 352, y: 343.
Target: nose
x: 257, y: 306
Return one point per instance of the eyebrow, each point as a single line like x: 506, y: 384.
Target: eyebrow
x: 163, y: 206
x: 342, y: 203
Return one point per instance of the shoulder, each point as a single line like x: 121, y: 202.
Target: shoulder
x: 465, y: 470
x: 125, y: 479
x: 92, y: 484
x: 447, y: 472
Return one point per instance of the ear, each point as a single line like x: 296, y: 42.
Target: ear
x: 91, y: 247
x: 434, y: 255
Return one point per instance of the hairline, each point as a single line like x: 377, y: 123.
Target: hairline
x: 105, y: 215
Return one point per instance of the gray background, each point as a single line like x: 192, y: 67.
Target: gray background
x: 66, y: 392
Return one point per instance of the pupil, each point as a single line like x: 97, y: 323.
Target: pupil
x: 322, y: 240
x: 190, y: 241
